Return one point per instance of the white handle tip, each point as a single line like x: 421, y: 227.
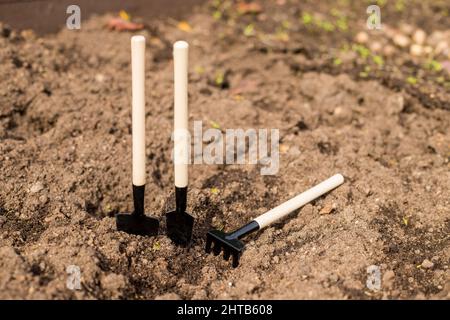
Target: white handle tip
x: 340, y: 178
x: 180, y: 45
x: 138, y: 39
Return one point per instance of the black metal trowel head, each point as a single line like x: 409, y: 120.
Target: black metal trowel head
x: 180, y: 223
x: 137, y: 222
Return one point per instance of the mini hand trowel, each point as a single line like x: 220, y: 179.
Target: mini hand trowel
x: 137, y: 222
x: 179, y: 222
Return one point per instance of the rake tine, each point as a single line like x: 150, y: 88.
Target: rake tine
x: 217, y: 248
x: 208, y: 244
x: 226, y: 254
x: 235, y: 259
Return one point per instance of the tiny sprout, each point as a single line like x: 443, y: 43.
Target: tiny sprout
x: 307, y: 18
x: 217, y: 15
x: 405, y: 221
x: 361, y: 50
x: 337, y: 62
x: 327, y: 26
x: 433, y: 65
x: 156, y: 246
x: 411, y: 80
x: 214, y: 124
x: 286, y: 24
x: 249, y: 30
x: 199, y: 70
x: 378, y: 60
x: 214, y: 190
x: 341, y: 23
x: 219, y: 79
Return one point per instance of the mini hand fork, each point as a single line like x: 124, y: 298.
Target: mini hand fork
x: 230, y: 243
x: 137, y: 222
x: 179, y: 222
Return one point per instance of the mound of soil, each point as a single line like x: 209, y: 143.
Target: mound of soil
x: 65, y: 159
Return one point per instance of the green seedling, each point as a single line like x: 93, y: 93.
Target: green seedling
x: 378, y: 60
x: 433, y: 65
x: 412, y: 80
x: 307, y: 19
x: 249, y: 30
x: 337, y: 62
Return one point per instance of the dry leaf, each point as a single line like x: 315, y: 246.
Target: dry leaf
x: 328, y: 208
x: 124, y: 15
x: 249, y: 8
x: 184, y: 26
x: 122, y: 25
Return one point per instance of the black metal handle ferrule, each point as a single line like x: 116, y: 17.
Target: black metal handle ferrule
x: 138, y: 199
x: 180, y: 199
x: 243, y: 231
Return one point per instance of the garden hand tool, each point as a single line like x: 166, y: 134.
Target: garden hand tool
x: 138, y: 222
x: 230, y: 243
x: 179, y: 222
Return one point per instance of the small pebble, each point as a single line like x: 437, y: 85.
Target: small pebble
x: 362, y: 37
x: 388, y: 50
x: 401, y: 40
x: 35, y: 188
x: 419, y: 36
x: 388, y: 279
x: 427, y: 264
x: 416, y: 50
x: 99, y: 77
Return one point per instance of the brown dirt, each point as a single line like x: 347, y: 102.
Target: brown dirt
x: 65, y: 160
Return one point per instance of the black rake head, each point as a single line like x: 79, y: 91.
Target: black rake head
x: 137, y: 224
x: 228, y: 243
x: 179, y: 227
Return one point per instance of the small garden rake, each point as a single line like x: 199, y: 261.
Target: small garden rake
x: 230, y: 243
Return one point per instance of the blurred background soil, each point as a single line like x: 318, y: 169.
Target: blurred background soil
x: 370, y: 104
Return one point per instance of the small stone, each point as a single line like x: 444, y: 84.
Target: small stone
x: 388, y: 279
x: 401, y: 40
x: 388, y: 50
x: 328, y: 208
x: 99, y: 77
x: 406, y: 28
x: 427, y: 264
x: 419, y: 36
x: 416, y: 50
x: 35, y: 188
x: 43, y: 199
x: 333, y: 278
x: 376, y: 46
x: 113, y: 282
x: 442, y: 47
x: 362, y: 37
x: 168, y: 296
x: 276, y: 259
x: 2, y: 221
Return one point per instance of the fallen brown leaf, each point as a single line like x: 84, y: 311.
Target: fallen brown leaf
x: 119, y: 24
x: 328, y: 208
x: 249, y: 8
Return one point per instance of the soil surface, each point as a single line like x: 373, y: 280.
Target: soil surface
x: 370, y: 104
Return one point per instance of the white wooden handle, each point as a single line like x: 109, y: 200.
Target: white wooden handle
x: 138, y: 108
x: 181, y: 132
x: 298, y: 201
